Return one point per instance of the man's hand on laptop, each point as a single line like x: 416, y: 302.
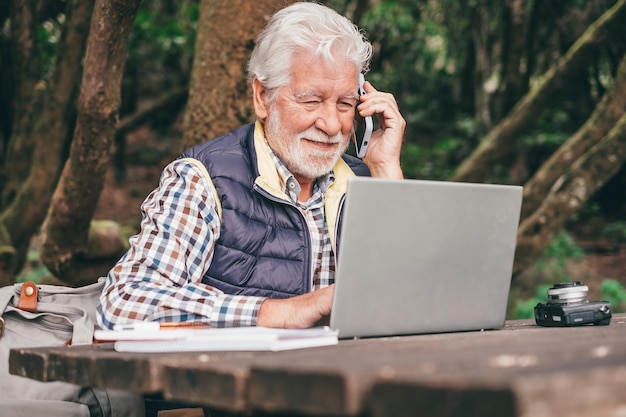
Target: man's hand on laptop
x: 302, y: 311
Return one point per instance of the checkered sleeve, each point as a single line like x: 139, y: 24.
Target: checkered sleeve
x: 159, y: 278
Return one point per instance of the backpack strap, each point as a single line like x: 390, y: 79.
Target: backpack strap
x: 29, y: 295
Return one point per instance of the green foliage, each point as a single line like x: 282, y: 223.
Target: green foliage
x: 591, y: 212
x: 49, y: 35
x: 525, y: 309
x: 547, y: 270
x: 550, y: 269
x: 411, y: 59
x: 160, y: 52
x: 614, y: 292
x: 36, y: 275
x: 432, y: 162
x: 164, y: 34
x: 551, y: 139
x: 562, y: 248
x: 615, y: 231
x: 34, y: 270
x: 424, y: 52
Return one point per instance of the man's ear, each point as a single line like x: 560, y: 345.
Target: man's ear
x: 259, y: 99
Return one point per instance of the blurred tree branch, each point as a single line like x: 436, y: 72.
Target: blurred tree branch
x: 603, y: 119
x: 500, y: 141
x: 586, y: 175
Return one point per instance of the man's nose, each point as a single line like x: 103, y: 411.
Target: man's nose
x: 329, y: 120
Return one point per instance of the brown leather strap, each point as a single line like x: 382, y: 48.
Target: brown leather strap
x: 28, y: 297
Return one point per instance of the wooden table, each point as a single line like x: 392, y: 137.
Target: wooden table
x: 522, y: 370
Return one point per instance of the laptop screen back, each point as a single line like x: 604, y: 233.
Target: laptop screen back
x: 424, y: 257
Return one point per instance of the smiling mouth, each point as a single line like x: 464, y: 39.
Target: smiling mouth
x: 326, y: 145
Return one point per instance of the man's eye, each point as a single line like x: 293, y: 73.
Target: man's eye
x: 347, y: 105
x: 310, y: 102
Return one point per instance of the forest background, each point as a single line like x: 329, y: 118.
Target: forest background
x: 97, y: 96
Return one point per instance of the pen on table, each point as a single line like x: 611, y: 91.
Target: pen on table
x: 149, y: 326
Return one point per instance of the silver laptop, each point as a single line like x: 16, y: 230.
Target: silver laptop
x: 424, y: 257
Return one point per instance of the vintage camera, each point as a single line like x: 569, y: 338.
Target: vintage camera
x: 568, y: 306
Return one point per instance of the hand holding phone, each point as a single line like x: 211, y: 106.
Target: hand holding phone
x: 363, y: 126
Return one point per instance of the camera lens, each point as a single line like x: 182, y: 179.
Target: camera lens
x: 567, y: 284
x: 568, y: 292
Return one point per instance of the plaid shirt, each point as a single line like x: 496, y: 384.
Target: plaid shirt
x: 159, y: 278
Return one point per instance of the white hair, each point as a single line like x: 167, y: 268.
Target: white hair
x: 310, y: 27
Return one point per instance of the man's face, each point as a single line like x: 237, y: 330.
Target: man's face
x: 309, y: 124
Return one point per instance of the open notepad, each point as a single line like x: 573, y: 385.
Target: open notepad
x: 218, y: 339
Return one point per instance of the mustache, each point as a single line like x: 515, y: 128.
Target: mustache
x: 316, y: 135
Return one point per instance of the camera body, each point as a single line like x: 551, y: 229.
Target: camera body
x: 589, y: 312
x: 568, y: 306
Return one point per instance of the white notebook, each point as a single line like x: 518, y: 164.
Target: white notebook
x: 218, y: 339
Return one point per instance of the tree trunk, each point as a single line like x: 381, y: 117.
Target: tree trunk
x: 532, y: 27
x: 66, y: 228
x: 27, y: 210
x: 501, y: 140
x: 588, y: 174
x: 6, y: 83
x: 482, y: 71
x: 360, y: 7
x: 219, y: 95
x: 26, y: 68
x: 513, y: 84
x: 604, y: 117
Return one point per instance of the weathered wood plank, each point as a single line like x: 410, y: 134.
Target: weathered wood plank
x: 213, y: 379
x: 521, y: 371
x: 29, y: 363
x: 479, y: 363
x: 588, y: 390
x: 97, y: 365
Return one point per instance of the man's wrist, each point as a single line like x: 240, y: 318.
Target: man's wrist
x: 263, y: 319
x: 390, y: 171
x: 272, y: 313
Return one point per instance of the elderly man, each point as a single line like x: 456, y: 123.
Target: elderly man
x: 242, y: 229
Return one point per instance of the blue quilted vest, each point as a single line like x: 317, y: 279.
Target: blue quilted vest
x: 264, y: 245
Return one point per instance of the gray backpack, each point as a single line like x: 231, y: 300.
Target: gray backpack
x: 49, y: 315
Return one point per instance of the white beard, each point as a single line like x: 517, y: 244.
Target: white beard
x: 288, y: 147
